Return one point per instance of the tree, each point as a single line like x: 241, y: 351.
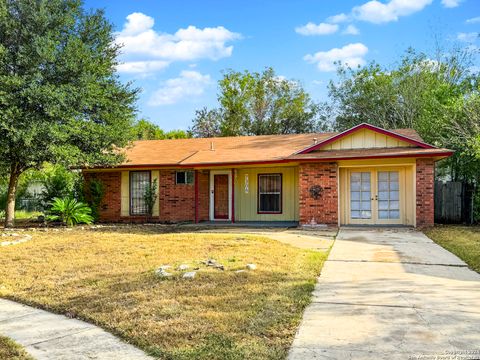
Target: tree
x: 145, y: 130
x: 258, y: 104
x: 207, y: 123
x: 60, y: 98
x: 419, y: 92
x: 438, y: 96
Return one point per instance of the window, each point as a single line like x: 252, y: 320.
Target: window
x: 360, y: 195
x: 139, y: 181
x: 184, y: 177
x: 270, y: 193
x: 388, y: 195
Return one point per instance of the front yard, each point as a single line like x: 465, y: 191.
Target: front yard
x: 463, y: 241
x: 106, y: 276
x: 11, y: 350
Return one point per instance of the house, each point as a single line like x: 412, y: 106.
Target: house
x: 365, y: 175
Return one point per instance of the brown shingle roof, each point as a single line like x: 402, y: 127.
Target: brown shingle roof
x: 240, y: 149
x: 370, y: 153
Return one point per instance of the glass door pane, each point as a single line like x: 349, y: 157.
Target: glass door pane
x: 360, y: 195
x: 388, y: 195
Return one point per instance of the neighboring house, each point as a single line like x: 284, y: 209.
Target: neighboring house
x: 365, y: 175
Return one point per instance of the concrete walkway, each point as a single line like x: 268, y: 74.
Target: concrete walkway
x: 391, y: 294
x: 318, y: 240
x: 48, y: 336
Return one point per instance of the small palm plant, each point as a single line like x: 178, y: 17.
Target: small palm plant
x: 70, y: 211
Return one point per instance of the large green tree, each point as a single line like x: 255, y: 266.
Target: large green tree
x: 253, y: 103
x: 60, y: 98
x: 146, y: 130
x: 436, y: 95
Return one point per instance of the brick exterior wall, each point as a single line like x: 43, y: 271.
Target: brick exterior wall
x: 110, y: 205
x: 425, y: 177
x: 325, y: 209
x: 177, y: 201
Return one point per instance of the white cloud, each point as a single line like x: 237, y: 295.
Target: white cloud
x: 314, y: 29
x: 137, y: 23
x: 451, y: 3
x: 351, y: 30
x: 142, y: 67
x: 474, y: 20
x: 351, y: 55
x: 374, y: 11
x: 142, y: 44
x: 467, y: 37
x: 339, y: 18
x: 377, y: 12
x: 188, y: 85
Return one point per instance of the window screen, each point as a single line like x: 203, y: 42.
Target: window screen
x: 184, y: 177
x: 139, y: 181
x: 270, y: 193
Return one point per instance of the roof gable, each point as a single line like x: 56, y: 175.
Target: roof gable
x: 365, y: 136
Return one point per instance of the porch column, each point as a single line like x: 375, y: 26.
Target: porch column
x: 233, y: 195
x: 196, y: 197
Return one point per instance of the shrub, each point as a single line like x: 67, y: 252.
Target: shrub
x: 476, y: 206
x: 70, y: 211
x: 58, y: 182
x: 150, y: 196
x: 96, y: 191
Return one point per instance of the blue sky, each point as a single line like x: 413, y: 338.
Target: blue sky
x: 175, y: 51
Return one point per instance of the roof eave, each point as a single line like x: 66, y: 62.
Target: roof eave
x: 437, y: 156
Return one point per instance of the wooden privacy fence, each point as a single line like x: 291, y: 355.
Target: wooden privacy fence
x: 453, y: 202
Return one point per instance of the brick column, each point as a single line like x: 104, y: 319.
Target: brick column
x: 425, y: 177
x: 323, y: 210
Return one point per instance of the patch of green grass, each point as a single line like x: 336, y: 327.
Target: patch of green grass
x: 26, y: 215
x: 22, y: 215
x: 107, y: 277
x: 463, y: 241
x: 12, y: 351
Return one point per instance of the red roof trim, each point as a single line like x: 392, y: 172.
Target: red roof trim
x: 290, y: 160
x: 370, y: 127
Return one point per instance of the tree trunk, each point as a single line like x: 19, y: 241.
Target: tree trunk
x: 12, y: 191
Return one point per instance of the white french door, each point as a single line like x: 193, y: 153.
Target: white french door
x: 375, y: 196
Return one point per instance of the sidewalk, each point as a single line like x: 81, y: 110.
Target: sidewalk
x: 47, y: 336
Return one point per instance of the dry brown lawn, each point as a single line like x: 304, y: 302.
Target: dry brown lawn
x: 11, y: 350
x: 106, y: 277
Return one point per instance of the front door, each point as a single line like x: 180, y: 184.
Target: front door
x: 220, y: 196
x: 375, y: 196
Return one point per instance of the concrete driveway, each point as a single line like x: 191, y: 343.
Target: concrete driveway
x: 391, y: 294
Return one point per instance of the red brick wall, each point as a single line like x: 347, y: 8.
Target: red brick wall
x: 110, y: 205
x: 425, y: 185
x: 177, y: 201
x: 325, y: 209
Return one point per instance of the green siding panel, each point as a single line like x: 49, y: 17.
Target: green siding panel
x: 246, y: 194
